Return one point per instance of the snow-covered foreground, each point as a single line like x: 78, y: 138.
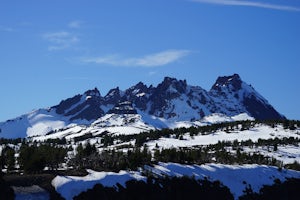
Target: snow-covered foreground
x: 235, y: 177
x: 70, y: 186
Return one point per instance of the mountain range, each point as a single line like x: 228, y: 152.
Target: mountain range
x: 170, y: 102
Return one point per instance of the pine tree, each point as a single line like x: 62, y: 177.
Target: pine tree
x: 275, y: 147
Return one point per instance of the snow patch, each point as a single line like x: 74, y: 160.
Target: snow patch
x: 70, y: 186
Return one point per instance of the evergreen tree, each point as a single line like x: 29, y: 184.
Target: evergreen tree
x: 8, y: 158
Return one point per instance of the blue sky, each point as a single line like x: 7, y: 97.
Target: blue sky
x: 52, y: 50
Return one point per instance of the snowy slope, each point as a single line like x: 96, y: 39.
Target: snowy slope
x: 213, y: 118
x: 232, y: 176
x: 38, y: 122
x: 108, y: 124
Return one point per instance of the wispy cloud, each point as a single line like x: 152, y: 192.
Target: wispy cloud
x: 6, y: 29
x: 152, y: 60
x: 60, y: 40
x: 250, y: 4
x: 75, y: 24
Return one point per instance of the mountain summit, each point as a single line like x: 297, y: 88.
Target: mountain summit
x: 171, y: 101
x: 234, y: 82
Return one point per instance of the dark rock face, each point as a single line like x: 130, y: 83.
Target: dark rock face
x: 64, y: 105
x: 89, y: 110
x: 172, y: 99
x: 162, y: 95
x: 259, y: 110
x: 80, y: 107
x: 123, y: 108
x: 113, y: 96
x: 138, y: 94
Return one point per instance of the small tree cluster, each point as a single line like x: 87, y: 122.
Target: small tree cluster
x: 88, y: 157
x: 35, y: 158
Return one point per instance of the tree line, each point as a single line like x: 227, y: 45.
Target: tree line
x: 36, y: 156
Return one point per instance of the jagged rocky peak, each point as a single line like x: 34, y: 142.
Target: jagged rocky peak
x: 236, y: 96
x: 172, y: 85
x: 234, y: 81
x: 140, y: 86
x: 113, y: 92
x: 93, y: 93
x: 113, y: 96
x: 140, y: 89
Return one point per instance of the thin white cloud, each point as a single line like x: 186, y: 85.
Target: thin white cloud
x: 152, y: 73
x: 152, y: 60
x: 75, y: 78
x: 60, y: 40
x: 250, y: 4
x: 75, y: 24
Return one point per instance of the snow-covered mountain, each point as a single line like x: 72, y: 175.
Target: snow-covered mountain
x: 233, y: 96
x: 172, y: 103
x: 174, y: 100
